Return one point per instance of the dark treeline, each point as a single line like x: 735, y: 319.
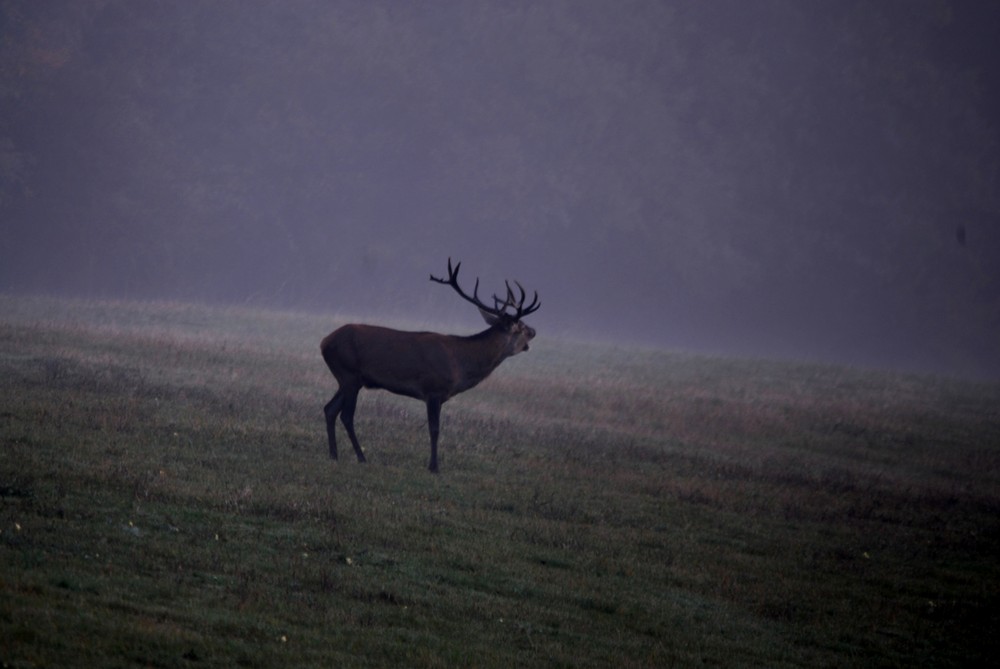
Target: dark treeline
x: 777, y: 177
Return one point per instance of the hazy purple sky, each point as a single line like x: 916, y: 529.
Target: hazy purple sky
x: 782, y: 178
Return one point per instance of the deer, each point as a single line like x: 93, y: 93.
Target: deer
x: 427, y: 366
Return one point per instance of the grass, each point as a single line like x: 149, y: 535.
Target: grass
x: 166, y: 500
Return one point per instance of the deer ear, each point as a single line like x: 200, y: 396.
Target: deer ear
x: 491, y: 319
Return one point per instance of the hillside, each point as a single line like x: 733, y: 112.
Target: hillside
x: 166, y: 499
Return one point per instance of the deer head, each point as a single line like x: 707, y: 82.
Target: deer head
x: 505, y: 314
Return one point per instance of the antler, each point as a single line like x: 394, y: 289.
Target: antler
x: 499, y: 307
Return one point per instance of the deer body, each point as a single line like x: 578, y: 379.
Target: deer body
x: 420, y: 365
x: 427, y: 366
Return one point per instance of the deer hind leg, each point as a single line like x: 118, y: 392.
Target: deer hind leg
x: 350, y: 402
x: 433, y: 423
x: 331, y: 410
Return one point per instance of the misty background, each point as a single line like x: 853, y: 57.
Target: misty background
x: 780, y: 178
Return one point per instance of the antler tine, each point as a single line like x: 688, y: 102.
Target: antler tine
x: 501, y: 305
x: 450, y: 275
x: 510, y: 293
x: 520, y: 288
x: 510, y: 301
x: 531, y: 308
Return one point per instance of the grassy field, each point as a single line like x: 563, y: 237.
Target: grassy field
x: 166, y: 500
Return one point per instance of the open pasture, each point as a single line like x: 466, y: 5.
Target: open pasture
x: 166, y: 500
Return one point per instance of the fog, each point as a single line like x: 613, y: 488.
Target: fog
x: 778, y: 178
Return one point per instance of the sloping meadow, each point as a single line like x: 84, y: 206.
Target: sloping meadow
x: 166, y: 499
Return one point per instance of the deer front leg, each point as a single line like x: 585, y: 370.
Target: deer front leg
x: 433, y: 423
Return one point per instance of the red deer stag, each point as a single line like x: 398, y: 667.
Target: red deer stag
x: 423, y: 365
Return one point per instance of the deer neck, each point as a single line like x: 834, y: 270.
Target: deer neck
x: 484, y: 353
